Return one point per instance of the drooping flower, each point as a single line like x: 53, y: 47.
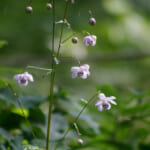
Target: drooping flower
x: 74, y: 40
x: 48, y: 6
x: 90, y: 40
x: 80, y: 71
x: 105, y: 102
x: 80, y: 141
x: 92, y: 21
x: 23, y: 78
x: 29, y: 9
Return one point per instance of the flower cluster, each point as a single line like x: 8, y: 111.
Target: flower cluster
x: 104, y: 102
x: 23, y: 78
x: 80, y: 71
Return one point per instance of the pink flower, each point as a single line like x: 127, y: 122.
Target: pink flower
x: 104, y: 102
x: 90, y: 40
x: 23, y: 78
x: 81, y: 71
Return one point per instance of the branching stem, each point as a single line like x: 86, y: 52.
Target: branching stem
x: 76, y: 119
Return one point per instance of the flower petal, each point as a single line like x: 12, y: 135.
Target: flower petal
x: 84, y: 76
x: 100, y: 108
x: 102, y: 96
x: 75, y: 69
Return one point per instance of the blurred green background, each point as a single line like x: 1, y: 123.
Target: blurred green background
x: 119, y: 66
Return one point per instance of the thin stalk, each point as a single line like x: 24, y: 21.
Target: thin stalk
x: 38, y: 68
x: 62, y: 27
x: 26, y: 119
x: 51, y: 82
x: 76, y: 119
x: 53, y: 70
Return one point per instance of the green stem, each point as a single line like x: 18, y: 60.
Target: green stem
x: 76, y: 119
x: 53, y: 70
x: 62, y: 27
x: 51, y: 81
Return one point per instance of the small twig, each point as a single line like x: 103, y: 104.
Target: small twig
x: 62, y: 27
x: 77, y: 129
x: 38, y: 68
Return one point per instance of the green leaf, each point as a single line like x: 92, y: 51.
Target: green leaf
x: 2, y: 43
x: 37, y: 116
x: 16, y: 143
x: 31, y: 101
x: 19, y: 111
x: 5, y: 134
x: 2, y: 147
x: 7, y: 95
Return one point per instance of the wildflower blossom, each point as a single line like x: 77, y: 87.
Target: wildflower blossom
x: 90, y: 40
x: 23, y: 78
x: 104, y: 102
x: 81, y: 71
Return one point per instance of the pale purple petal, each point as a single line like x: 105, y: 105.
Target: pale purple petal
x: 74, y: 75
x: 86, y: 41
x: 84, y: 76
x: 98, y: 103
x: 30, y: 77
x: 100, y: 108
x: 102, y: 96
x: 112, y: 97
x: 85, y: 67
x: 109, y: 106
x: 75, y: 69
x: 112, y: 101
x: 16, y: 77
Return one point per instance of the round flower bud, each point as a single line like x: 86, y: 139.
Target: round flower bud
x: 92, y: 21
x: 29, y: 9
x: 80, y: 141
x: 48, y: 6
x: 74, y: 40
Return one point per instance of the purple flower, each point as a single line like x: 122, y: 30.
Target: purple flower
x: 90, y: 40
x: 104, y: 102
x: 81, y: 71
x: 23, y: 78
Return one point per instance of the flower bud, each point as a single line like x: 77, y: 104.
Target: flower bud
x: 92, y: 21
x: 80, y: 141
x: 74, y: 40
x: 48, y: 6
x: 29, y: 9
